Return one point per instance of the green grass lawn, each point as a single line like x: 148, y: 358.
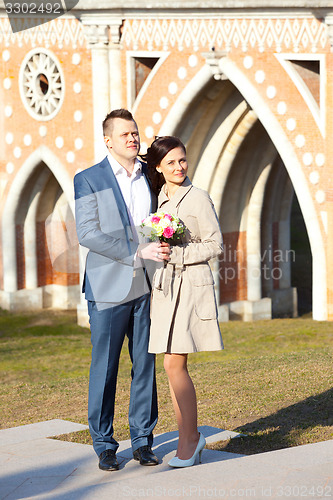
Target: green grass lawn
x: 273, y: 382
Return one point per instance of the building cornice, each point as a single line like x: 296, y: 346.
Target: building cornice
x: 85, y: 5
x: 176, y: 8
x: 99, y: 16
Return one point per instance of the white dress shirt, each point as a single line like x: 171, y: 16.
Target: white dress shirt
x: 135, y: 191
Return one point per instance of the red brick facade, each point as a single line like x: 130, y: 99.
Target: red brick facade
x: 249, y: 94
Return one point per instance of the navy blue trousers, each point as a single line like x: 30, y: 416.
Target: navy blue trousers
x: 109, y: 326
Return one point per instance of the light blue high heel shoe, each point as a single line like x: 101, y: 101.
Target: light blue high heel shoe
x: 177, y: 462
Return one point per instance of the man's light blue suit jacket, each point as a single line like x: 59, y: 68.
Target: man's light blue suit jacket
x: 103, y: 226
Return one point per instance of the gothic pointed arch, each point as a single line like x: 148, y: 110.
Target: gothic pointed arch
x: 216, y: 140
x: 41, y: 187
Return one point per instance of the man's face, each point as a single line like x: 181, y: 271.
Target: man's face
x: 123, y: 141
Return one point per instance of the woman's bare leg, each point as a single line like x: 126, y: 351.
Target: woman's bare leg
x: 184, y: 402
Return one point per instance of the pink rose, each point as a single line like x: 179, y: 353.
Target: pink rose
x: 155, y: 219
x: 168, y: 216
x: 168, y: 232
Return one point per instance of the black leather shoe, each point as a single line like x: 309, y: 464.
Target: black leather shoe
x: 145, y: 456
x: 108, y: 460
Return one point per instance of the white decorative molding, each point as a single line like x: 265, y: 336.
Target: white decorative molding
x: 329, y: 24
x: 298, y: 33
x: 212, y: 59
x: 102, y: 29
x: 62, y: 32
x: 318, y: 111
x: 96, y: 34
x: 115, y: 25
x: 103, y: 35
x: 187, y: 95
x: 291, y: 34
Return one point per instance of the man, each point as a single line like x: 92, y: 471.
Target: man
x: 111, y: 198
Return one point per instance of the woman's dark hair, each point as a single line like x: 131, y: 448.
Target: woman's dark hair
x: 155, y: 154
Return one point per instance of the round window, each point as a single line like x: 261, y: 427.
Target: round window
x: 41, y: 84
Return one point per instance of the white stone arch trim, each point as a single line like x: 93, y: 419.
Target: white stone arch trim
x: 185, y: 98
x: 30, y: 239
x: 205, y: 170
x: 253, y: 239
x: 252, y: 216
x: 298, y: 179
x: 42, y: 154
x: 225, y: 163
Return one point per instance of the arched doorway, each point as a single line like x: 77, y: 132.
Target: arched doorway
x: 232, y: 156
x: 40, y: 251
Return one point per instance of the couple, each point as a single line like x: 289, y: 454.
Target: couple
x: 111, y: 200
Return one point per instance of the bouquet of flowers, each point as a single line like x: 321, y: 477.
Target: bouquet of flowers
x: 162, y: 226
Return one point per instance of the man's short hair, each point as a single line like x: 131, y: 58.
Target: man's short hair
x: 122, y: 113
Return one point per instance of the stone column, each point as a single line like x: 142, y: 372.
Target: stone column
x: 103, y: 36
x: 326, y: 209
x: 97, y: 33
x: 253, y: 239
x: 96, y: 30
x: 30, y: 241
x: 116, y: 99
x: 329, y: 24
x: 9, y: 251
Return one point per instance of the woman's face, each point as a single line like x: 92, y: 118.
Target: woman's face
x: 174, y: 167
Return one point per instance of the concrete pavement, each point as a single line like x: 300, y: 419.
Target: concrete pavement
x: 35, y: 467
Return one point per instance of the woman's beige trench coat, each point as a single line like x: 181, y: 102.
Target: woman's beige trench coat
x: 183, y: 305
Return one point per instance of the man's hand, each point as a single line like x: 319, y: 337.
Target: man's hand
x: 157, y: 251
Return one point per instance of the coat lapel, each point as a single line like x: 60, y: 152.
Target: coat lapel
x: 182, y: 191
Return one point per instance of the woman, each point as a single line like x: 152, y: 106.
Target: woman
x: 183, y: 307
